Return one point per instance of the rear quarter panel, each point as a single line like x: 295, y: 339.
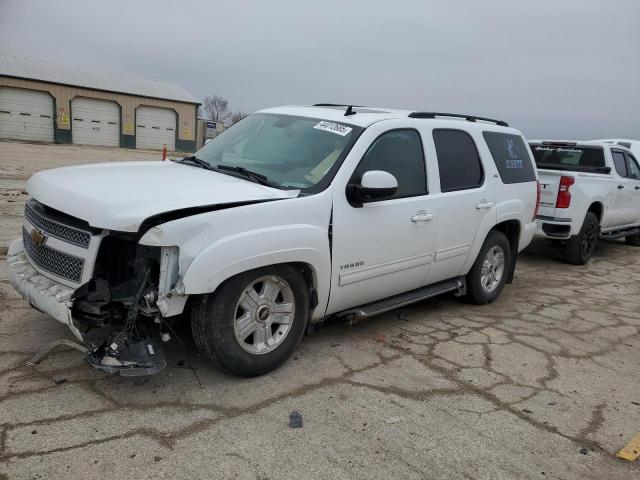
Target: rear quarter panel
x: 513, y: 201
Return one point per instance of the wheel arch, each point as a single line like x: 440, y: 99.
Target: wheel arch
x: 511, y: 229
x: 210, y: 268
x: 597, y: 208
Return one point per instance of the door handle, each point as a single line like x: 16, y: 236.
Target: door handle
x: 423, y: 216
x: 484, y: 204
x: 620, y: 187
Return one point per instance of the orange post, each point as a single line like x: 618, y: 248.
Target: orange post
x: 164, y: 152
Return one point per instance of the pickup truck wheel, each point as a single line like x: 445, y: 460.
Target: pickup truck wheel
x: 579, y: 248
x: 489, y: 273
x: 633, y: 240
x: 254, y: 321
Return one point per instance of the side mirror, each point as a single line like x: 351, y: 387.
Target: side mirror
x: 374, y: 185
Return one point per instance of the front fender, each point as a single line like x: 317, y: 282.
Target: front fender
x: 234, y: 254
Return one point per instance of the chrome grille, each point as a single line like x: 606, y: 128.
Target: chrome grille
x: 53, y: 261
x: 56, y: 229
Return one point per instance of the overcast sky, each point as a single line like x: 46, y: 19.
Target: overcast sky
x: 552, y: 68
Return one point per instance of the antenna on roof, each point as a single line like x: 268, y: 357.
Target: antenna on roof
x: 349, y: 111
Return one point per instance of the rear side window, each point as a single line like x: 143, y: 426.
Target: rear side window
x: 620, y: 163
x: 511, y: 157
x: 458, y: 160
x: 569, y: 157
x: 634, y: 169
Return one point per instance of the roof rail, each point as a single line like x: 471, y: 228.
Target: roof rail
x: 334, y: 105
x: 469, y: 118
x: 348, y: 112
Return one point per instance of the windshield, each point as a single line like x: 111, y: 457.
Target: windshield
x: 569, y: 158
x: 292, y: 152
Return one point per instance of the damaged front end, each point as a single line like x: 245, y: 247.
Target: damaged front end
x: 121, y: 311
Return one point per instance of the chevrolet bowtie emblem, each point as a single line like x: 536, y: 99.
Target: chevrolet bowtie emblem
x: 37, y: 237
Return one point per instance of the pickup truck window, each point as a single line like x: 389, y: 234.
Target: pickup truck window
x: 458, y: 160
x: 572, y: 157
x: 511, y: 157
x: 634, y: 169
x: 400, y: 153
x: 293, y: 152
x: 620, y: 163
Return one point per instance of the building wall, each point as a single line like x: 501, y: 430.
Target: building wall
x: 62, y: 96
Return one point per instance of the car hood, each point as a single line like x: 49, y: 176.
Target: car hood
x: 121, y: 195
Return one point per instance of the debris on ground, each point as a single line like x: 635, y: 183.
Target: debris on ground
x: 130, y: 357
x: 631, y: 451
x: 584, y: 451
x: 381, y: 339
x: 59, y: 380
x: 295, y: 419
x: 526, y: 410
x: 392, y: 420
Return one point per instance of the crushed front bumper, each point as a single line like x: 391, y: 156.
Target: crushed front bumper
x: 41, y: 292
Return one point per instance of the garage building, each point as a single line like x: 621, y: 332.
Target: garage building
x: 42, y: 101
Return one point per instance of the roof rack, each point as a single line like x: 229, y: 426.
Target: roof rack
x: 468, y: 118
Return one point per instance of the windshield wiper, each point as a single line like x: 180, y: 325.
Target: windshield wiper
x: 197, y: 161
x: 255, y: 176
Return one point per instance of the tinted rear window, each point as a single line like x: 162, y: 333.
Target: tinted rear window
x: 551, y: 157
x: 511, y: 157
x: 458, y: 160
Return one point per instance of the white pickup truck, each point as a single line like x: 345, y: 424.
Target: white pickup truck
x: 292, y: 215
x: 589, y: 190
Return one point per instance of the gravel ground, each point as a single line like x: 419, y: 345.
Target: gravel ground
x: 542, y: 384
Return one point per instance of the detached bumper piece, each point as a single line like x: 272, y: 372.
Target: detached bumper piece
x: 121, y: 353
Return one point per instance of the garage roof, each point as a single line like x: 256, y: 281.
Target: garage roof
x: 27, y: 68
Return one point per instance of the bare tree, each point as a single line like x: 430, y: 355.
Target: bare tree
x: 216, y: 108
x: 235, y: 117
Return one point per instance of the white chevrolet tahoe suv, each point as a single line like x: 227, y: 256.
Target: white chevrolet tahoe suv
x: 292, y: 215
x: 589, y: 190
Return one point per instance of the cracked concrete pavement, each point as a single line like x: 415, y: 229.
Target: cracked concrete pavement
x: 544, y: 383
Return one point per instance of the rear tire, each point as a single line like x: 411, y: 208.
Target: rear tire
x: 633, y: 240
x: 489, y: 273
x: 252, y: 324
x: 579, y: 248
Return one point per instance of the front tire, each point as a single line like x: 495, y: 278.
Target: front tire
x: 252, y: 324
x: 489, y: 273
x: 579, y: 248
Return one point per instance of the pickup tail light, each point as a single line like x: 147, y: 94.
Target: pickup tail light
x: 538, y: 195
x: 564, y: 195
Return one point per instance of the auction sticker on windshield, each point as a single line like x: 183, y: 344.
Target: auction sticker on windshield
x: 333, y: 128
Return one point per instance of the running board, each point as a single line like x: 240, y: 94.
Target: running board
x: 457, y: 284
x: 619, y: 234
